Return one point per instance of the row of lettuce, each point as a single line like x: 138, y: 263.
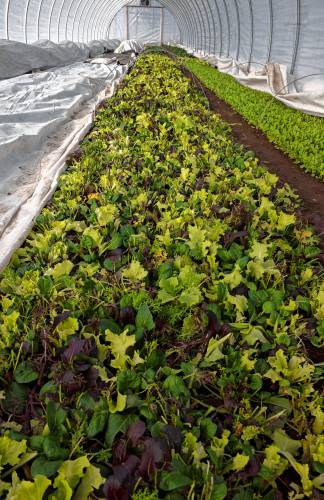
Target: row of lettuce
x: 299, y: 135
x: 157, y: 324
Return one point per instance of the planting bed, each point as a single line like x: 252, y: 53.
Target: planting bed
x: 299, y: 135
x: 310, y: 189
x: 156, y: 326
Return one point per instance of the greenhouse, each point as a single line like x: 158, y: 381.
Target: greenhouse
x: 161, y: 249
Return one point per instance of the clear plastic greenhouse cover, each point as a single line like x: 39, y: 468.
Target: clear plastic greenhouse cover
x: 58, y: 59
x: 252, y: 32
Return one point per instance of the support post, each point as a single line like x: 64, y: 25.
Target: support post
x: 161, y: 26
x: 126, y: 24
x: 297, y: 38
x: 252, y: 35
x: 270, y: 30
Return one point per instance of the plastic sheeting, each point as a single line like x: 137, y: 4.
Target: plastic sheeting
x: 256, y: 32
x: 43, y: 117
x: 145, y: 24
x: 153, y: 25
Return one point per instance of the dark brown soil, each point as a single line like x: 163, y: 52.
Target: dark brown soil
x: 309, y: 189
x: 316, y: 354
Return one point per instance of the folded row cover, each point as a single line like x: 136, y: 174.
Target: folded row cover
x: 18, y: 58
x: 129, y: 45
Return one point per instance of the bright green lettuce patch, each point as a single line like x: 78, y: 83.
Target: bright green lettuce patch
x: 297, y: 134
x: 154, y: 327
x: 177, y: 51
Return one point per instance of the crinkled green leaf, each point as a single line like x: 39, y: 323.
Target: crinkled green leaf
x: 23, y: 490
x: 72, y: 471
x: 11, y: 450
x: 92, y: 480
x: 118, y: 346
x: 135, y: 271
x: 61, y: 269
x: 67, y: 328
x: 240, y: 461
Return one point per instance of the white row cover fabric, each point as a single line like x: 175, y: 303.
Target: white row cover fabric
x: 43, y: 118
x: 273, y: 79
x: 98, y: 47
x: 128, y: 45
x: 64, y: 52
x: 18, y: 58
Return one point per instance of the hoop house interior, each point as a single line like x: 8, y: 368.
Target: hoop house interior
x: 256, y: 31
x: 161, y: 249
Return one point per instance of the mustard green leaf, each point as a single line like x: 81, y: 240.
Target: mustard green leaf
x: 285, y: 443
x: 303, y: 471
x: 174, y: 480
x: 119, y: 405
x: 92, y: 480
x: 63, y: 490
x: 273, y: 465
x: 198, y: 242
x: 72, y: 471
x: 144, y: 318
x: 214, y: 351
